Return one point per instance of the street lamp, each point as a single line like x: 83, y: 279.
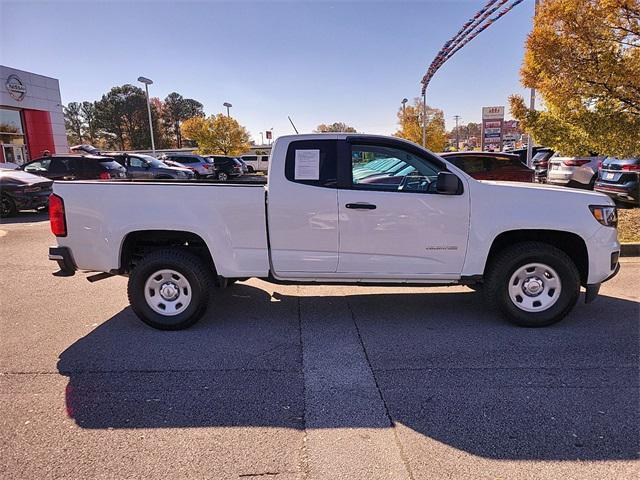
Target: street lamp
x: 148, y: 82
x: 404, y: 104
x: 228, y: 105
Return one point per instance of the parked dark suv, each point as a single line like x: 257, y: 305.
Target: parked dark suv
x: 491, y: 165
x: 146, y: 166
x: 540, y: 162
x: 76, y: 167
x: 226, y: 167
x: 620, y: 179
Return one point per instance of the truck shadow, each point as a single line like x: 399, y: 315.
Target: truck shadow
x: 445, y: 367
x: 30, y: 216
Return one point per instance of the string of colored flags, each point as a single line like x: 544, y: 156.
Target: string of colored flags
x: 470, y: 30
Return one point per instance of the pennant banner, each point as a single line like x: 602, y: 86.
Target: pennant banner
x: 465, y: 35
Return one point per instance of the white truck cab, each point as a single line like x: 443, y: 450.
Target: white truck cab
x: 347, y: 208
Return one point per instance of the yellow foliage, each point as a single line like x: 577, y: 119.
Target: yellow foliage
x: 583, y: 57
x: 410, y: 120
x: 217, y: 135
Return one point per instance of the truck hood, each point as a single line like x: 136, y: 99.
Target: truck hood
x: 557, y: 192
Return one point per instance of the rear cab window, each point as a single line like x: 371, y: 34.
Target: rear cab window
x: 312, y: 162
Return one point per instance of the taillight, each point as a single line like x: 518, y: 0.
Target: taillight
x: 575, y: 162
x: 631, y: 168
x: 104, y: 176
x: 56, y: 216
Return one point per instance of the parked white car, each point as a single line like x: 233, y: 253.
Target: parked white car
x: 319, y: 220
x: 579, y: 172
x: 256, y: 163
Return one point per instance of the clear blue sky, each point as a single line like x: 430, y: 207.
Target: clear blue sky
x: 318, y: 61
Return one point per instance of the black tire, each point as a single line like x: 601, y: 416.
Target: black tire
x: 504, y: 265
x: 185, y: 263
x: 7, y: 207
x: 223, y: 177
x: 250, y: 169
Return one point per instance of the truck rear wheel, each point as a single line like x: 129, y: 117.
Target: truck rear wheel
x: 169, y: 289
x: 533, y: 284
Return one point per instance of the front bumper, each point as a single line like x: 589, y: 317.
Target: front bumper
x: 63, y: 256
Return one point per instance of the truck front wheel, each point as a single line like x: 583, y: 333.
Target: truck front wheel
x: 533, y: 284
x: 169, y: 289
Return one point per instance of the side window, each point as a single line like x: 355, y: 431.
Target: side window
x: 264, y: 159
x: 59, y: 165
x: 475, y: 164
x: 312, y: 162
x: 375, y: 167
x: 90, y: 165
x: 137, y: 162
x: 38, y: 166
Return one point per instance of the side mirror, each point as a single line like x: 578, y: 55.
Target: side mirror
x: 448, y: 183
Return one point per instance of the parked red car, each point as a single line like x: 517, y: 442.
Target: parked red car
x: 491, y: 165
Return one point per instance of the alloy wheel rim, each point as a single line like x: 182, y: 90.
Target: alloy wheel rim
x: 534, y: 287
x: 167, y: 292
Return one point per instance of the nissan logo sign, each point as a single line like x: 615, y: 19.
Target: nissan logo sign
x: 15, y: 87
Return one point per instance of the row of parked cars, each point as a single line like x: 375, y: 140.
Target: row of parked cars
x: 617, y: 177
x: 27, y: 187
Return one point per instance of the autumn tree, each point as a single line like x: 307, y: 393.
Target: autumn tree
x: 583, y: 57
x: 334, y: 127
x: 217, y: 135
x: 410, y: 119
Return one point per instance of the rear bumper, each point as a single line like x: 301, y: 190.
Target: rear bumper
x: 63, y: 256
x: 629, y: 193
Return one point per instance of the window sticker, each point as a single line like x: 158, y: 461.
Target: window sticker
x: 307, y: 165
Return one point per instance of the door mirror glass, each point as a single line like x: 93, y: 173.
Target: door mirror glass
x: 448, y: 183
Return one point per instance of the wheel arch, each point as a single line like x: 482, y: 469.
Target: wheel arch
x: 570, y: 243
x: 137, y: 243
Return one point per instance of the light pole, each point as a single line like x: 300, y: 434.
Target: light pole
x: 457, y: 117
x: 404, y: 105
x: 228, y: 105
x: 424, y: 119
x: 532, y: 102
x: 261, y: 138
x: 148, y: 82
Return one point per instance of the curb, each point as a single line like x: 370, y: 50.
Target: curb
x: 630, y: 250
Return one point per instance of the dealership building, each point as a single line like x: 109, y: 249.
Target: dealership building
x: 31, y: 118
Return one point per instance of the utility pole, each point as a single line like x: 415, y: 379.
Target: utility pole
x: 424, y: 119
x: 457, y: 117
x: 532, y: 102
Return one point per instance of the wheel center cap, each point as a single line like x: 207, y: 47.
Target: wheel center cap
x: 169, y: 291
x: 533, y: 286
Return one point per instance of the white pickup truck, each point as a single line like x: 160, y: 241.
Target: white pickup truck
x: 339, y: 208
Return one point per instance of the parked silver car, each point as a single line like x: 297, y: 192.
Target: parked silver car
x: 578, y: 172
x: 200, y: 165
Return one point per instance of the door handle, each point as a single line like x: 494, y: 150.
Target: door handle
x: 361, y: 206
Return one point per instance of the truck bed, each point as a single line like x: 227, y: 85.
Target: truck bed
x: 228, y: 216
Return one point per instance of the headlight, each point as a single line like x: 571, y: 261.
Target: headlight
x: 606, y: 215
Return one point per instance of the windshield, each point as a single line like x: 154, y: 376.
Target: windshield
x: 153, y: 161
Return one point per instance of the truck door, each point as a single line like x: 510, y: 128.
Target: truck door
x: 303, y: 209
x: 138, y: 168
x: 392, y: 221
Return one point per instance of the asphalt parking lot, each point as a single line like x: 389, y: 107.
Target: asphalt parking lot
x: 309, y: 382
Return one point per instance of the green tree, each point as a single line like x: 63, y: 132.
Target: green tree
x: 177, y: 109
x: 122, y: 115
x: 410, y: 120
x: 583, y: 57
x: 334, y: 127
x: 217, y: 135
x: 90, y: 127
x: 73, y: 122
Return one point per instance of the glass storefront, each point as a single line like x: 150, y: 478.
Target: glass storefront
x: 12, y: 136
